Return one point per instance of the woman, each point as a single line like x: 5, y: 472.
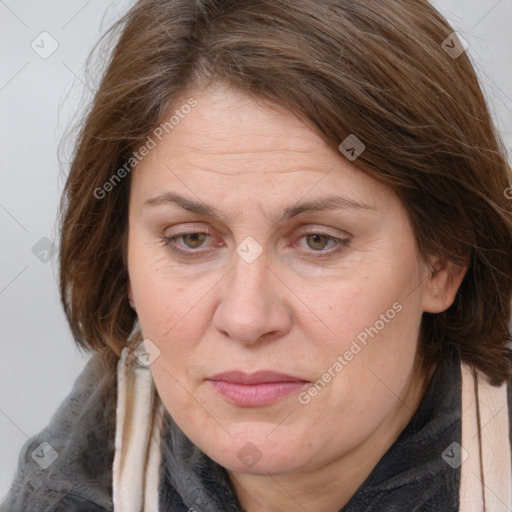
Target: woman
x: 286, y: 239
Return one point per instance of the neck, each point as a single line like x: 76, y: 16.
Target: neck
x: 330, y: 487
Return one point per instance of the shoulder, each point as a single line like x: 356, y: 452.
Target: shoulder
x: 68, y: 465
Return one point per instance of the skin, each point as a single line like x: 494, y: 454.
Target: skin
x: 286, y: 311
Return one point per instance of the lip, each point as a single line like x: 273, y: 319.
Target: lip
x: 256, y: 389
x: 260, y: 377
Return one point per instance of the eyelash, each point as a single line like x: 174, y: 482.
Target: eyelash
x: 167, y: 241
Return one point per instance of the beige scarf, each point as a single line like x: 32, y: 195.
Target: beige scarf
x: 486, y: 469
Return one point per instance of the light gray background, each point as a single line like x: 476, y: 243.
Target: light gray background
x: 38, y: 98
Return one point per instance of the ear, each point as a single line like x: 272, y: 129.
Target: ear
x: 130, y: 295
x: 441, y: 287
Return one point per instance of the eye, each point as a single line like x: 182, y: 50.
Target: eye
x: 193, y: 240
x: 318, y: 240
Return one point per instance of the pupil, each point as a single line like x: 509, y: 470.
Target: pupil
x: 316, y: 238
x: 194, y: 237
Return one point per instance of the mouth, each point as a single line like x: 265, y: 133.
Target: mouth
x: 256, y: 389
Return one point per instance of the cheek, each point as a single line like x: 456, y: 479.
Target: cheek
x: 178, y: 398
x: 163, y: 300
x: 375, y: 320
x: 360, y: 384
x: 367, y: 309
x: 375, y: 359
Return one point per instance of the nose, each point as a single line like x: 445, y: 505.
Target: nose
x: 251, y: 308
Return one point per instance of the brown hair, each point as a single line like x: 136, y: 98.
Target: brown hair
x: 373, y: 68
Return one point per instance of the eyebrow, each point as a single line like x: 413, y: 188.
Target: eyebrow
x: 325, y: 203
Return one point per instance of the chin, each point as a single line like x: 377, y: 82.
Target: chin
x: 252, y: 463
x: 255, y: 452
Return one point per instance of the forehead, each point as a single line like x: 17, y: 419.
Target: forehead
x: 234, y: 144
x: 227, y: 125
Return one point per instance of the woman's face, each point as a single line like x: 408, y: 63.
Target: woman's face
x: 331, y: 296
